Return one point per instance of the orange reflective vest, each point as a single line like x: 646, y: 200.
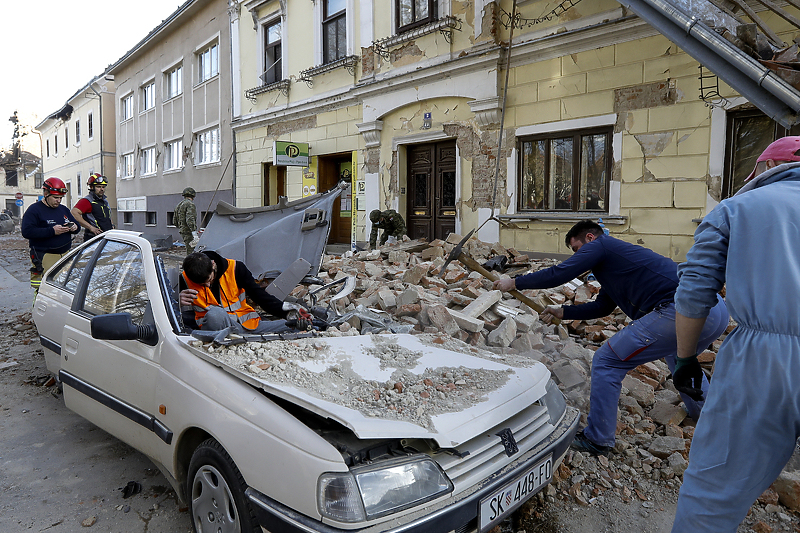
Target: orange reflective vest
x: 234, y: 299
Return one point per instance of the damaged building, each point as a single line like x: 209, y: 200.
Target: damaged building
x: 604, y: 115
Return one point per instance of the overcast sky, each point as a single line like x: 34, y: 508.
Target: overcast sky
x: 52, y: 48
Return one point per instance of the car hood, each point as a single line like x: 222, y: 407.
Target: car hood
x: 352, y: 380
x: 269, y: 239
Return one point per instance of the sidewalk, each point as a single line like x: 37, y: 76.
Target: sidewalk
x: 15, y: 296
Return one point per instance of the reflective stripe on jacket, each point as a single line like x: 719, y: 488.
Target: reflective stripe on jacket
x: 234, y: 299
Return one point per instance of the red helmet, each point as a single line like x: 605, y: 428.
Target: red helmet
x: 54, y: 186
x: 97, y: 179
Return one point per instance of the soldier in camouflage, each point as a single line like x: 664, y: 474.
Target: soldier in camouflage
x: 186, y: 219
x: 390, y: 222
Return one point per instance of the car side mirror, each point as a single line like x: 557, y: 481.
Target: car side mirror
x: 119, y: 326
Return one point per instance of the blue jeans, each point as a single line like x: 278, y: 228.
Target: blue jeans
x: 217, y: 319
x: 646, y: 339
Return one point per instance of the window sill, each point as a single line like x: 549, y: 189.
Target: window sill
x: 171, y: 98
x: 348, y: 62
x: 207, y: 164
x: 152, y: 175
x: 565, y: 216
x: 282, y: 86
x: 203, y: 82
x: 445, y: 25
x: 172, y: 171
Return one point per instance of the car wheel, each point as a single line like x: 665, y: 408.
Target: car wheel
x: 215, y: 487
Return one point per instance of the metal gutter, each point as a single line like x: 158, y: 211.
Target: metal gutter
x: 776, y: 98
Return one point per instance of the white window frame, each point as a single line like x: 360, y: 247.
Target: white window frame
x: 173, y: 155
x: 208, y: 62
x: 148, y: 92
x: 209, y: 147
x: 126, y: 107
x: 90, y: 130
x: 262, y: 40
x: 173, y: 82
x: 77, y: 132
x: 147, y: 162
x: 349, y: 28
x: 55, y: 144
x: 127, y: 166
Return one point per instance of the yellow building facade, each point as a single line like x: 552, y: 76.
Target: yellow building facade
x: 603, y: 117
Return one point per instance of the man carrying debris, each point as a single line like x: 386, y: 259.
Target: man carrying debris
x: 642, y: 284
x: 751, y: 419
x: 390, y: 222
x: 186, y: 219
x: 216, y: 289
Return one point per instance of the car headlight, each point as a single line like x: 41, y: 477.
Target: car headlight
x: 554, y: 401
x: 372, y: 491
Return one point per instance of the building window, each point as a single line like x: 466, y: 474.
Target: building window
x: 567, y: 171
x: 126, y: 108
x: 38, y: 180
x: 334, y: 31
x: 208, y: 63
x: 55, y: 144
x: 749, y: 133
x: 77, y: 132
x: 272, y: 53
x: 171, y: 219
x: 148, y: 159
x: 208, y: 149
x: 127, y: 166
x: 47, y: 147
x: 78, y: 181
x: 173, y: 157
x: 150, y: 218
x: 148, y: 96
x: 90, y: 124
x: 413, y: 13
x: 174, y: 82
x: 127, y: 217
x: 66, y: 137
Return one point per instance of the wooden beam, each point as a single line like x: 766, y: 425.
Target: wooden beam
x: 772, y: 36
x: 785, y: 15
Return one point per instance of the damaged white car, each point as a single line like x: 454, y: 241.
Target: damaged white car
x: 308, y: 432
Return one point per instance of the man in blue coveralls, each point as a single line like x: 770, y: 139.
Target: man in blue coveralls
x: 642, y: 284
x: 751, y: 419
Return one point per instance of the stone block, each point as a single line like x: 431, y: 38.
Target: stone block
x: 441, y: 319
x: 677, y: 463
x: 641, y: 392
x: 503, y: 335
x: 568, y: 375
x: 433, y: 252
x: 663, y: 447
x: 666, y: 413
x: 482, y: 303
x: 525, y: 322
x: 387, y: 299
x: 398, y: 257
x: 522, y: 344
x: 408, y: 310
x: 629, y: 404
x: 647, y: 194
x: 788, y: 488
x: 409, y: 296
x: 415, y: 274
x: 613, y: 77
x: 467, y: 323
x: 690, y: 193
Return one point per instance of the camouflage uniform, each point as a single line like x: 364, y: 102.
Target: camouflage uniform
x: 186, y: 221
x: 392, y: 225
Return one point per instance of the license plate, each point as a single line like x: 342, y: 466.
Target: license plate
x: 504, y: 500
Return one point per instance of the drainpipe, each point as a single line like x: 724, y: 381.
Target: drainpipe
x: 102, y: 155
x: 681, y: 29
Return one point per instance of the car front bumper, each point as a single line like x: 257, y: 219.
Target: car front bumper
x: 460, y: 515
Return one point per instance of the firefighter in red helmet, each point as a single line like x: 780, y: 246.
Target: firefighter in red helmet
x: 49, y: 227
x: 92, y: 211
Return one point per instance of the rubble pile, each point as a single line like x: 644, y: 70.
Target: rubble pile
x: 653, y: 432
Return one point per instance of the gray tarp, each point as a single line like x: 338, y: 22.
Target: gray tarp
x: 269, y: 239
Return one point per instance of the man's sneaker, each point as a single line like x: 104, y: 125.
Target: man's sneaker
x: 583, y: 444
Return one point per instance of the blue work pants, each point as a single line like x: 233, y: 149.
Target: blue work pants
x: 646, y: 339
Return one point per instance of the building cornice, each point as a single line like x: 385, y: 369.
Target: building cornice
x: 525, y: 50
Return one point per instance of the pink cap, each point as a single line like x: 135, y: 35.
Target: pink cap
x: 784, y: 149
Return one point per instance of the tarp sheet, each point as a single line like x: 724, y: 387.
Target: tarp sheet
x: 269, y: 239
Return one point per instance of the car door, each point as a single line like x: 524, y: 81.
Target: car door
x: 111, y: 383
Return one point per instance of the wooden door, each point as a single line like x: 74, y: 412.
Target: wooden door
x: 431, y: 182
x: 331, y: 170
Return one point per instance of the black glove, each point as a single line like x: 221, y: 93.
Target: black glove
x: 688, y: 377
x: 300, y: 319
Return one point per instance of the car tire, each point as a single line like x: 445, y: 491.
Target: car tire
x: 215, y: 489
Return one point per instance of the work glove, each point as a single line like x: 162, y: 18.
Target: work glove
x: 688, y: 377
x: 300, y: 319
x: 195, y: 238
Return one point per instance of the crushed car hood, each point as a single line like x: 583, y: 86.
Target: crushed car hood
x: 269, y: 239
x: 353, y: 380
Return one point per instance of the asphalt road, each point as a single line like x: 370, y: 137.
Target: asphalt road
x: 58, y: 472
